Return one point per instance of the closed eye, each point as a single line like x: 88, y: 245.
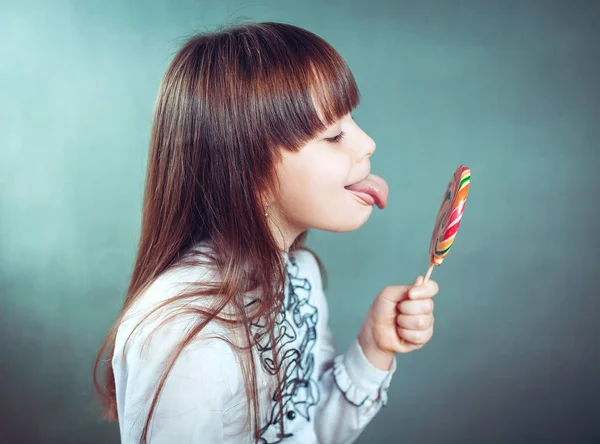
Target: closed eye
x: 336, y: 139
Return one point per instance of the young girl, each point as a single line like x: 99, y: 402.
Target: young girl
x: 223, y: 336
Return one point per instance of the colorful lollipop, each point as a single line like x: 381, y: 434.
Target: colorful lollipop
x: 449, y: 216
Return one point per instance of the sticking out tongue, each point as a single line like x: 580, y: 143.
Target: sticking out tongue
x: 374, y: 187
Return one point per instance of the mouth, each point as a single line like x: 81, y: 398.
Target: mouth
x: 370, y: 190
x: 364, y: 198
x: 358, y: 181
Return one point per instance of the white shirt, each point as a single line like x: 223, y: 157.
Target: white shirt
x: 328, y: 397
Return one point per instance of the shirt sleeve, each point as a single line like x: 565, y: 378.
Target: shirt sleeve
x: 197, y: 391
x: 352, y: 390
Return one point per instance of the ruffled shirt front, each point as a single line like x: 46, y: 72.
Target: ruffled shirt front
x: 328, y: 397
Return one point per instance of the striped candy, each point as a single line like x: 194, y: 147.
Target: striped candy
x: 450, y: 214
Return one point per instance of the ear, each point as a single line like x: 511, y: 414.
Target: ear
x: 266, y: 195
x: 268, y: 189
x: 264, y: 199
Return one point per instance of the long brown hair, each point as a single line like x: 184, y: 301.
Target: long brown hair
x: 230, y: 100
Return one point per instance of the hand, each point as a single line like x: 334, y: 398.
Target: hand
x: 400, y: 320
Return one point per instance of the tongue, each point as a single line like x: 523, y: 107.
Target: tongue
x: 374, y: 186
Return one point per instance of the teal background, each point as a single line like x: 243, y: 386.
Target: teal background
x: 509, y: 88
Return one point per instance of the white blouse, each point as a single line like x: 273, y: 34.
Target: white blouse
x: 328, y: 397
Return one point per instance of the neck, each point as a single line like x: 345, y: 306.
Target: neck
x: 283, y: 231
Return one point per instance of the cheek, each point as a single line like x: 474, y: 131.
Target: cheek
x: 316, y: 184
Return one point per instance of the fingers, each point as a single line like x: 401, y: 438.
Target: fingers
x: 415, y: 319
x: 418, y: 290
x: 423, y: 291
x: 416, y: 307
x: 416, y: 336
x: 414, y: 322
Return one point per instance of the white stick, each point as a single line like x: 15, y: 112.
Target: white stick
x: 428, y: 273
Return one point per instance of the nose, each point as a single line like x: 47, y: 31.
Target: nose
x: 365, y: 144
x: 370, y: 147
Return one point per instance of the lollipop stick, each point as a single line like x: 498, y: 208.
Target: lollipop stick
x: 428, y: 273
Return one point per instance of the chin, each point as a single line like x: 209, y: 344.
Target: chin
x: 352, y: 221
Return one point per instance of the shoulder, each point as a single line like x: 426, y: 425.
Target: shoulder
x: 148, y: 335
x: 169, y: 284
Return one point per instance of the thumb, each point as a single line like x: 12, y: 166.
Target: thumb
x: 395, y: 293
x: 398, y: 293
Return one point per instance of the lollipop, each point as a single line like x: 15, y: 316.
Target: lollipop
x: 449, y: 216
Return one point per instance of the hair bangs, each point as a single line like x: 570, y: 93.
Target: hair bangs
x: 310, y: 86
x: 334, y: 92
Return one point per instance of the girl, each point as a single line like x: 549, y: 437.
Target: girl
x: 223, y: 336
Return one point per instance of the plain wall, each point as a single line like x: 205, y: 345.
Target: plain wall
x: 508, y: 88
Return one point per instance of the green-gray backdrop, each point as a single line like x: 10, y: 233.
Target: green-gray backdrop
x: 509, y: 88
